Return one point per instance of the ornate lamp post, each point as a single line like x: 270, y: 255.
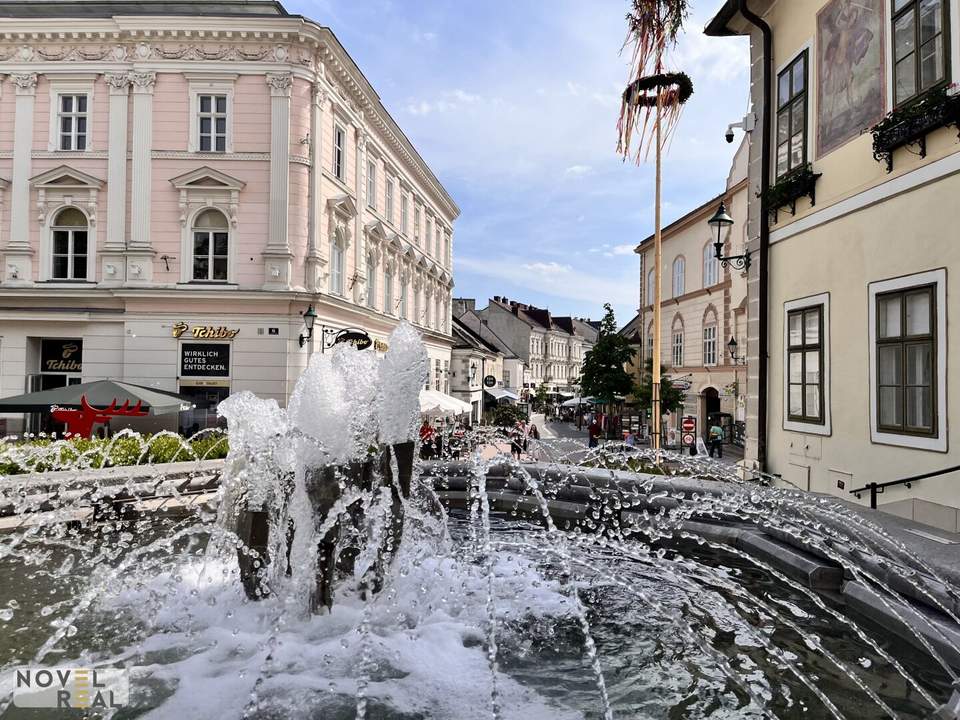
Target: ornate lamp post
x: 732, y: 349
x: 721, y: 220
x: 309, y: 318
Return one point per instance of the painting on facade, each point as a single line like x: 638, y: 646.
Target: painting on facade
x: 849, y: 70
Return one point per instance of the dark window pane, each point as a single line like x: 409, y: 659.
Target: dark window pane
x: 799, y: 117
x: 60, y: 266
x: 81, y: 142
x: 60, y: 242
x: 783, y: 126
x: 221, y: 103
x: 80, y: 242
x: 219, y: 243
x: 201, y: 243
x: 903, y: 36
x: 81, y: 124
x: 906, y: 85
x: 80, y: 267
x: 81, y: 103
x: 65, y: 142
x: 931, y: 63
x: 205, y: 126
x: 204, y: 103
x: 201, y: 268
x: 799, y: 76
x: 220, y: 269
x: 783, y: 158
x: 221, y: 143
x: 931, y: 17
x: 66, y: 103
x: 783, y: 89
x: 66, y: 125
x: 221, y: 125
x: 890, y: 411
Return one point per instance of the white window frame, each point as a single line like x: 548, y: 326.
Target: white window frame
x: 677, y: 346
x: 388, y: 193
x: 416, y: 224
x: 206, y: 84
x: 403, y: 297
x: 78, y: 85
x: 231, y: 253
x: 404, y: 211
x: 372, y: 184
x: 388, y: 299
x: 677, y: 286
x: 938, y: 442
x: 427, y: 232
x: 90, y: 253
x: 339, y: 153
x: 335, y: 281
x: 650, y: 286
x: 710, y: 326
x: 371, y: 283
x: 711, y: 263
x: 811, y: 428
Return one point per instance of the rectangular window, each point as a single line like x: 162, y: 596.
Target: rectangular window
x: 439, y: 235
x: 436, y: 375
x: 388, y: 291
x: 805, y: 359
x: 336, y: 268
x: 919, y: 47
x: 210, y: 255
x: 427, y: 235
x: 388, y: 201
x: 403, y: 212
x: 416, y: 225
x: 678, y: 348
x: 72, y: 118
x: 403, y: 298
x: 212, y: 119
x: 339, y: 160
x: 372, y: 284
x: 709, y: 265
x: 792, y: 116
x: 372, y: 184
x: 69, y: 255
x: 906, y: 358
x: 709, y: 345
x: 449, y: 249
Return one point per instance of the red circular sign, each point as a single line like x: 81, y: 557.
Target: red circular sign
x: 687, y: 439
x: 688, y: 424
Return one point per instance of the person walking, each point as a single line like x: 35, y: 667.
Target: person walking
x: 716, y: 440
x: 593, y: 432
x: 426, y: 440
x: 517, y: 439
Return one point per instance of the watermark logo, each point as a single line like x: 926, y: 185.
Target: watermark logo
x: 70, y: 687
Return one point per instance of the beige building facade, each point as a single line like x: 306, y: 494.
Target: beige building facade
x: 862, y: 260
x: 703, y: 306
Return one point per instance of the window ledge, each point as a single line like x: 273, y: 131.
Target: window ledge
x: 65, y: 283
x: 207, y: 285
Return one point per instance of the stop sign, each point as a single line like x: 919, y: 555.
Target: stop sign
x: 688, y: 424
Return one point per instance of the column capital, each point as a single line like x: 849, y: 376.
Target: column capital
x: 26, y: 83
x: 320, y: 95
x: 280, y: 84
x: 143, y: 82
x: 119, y: 83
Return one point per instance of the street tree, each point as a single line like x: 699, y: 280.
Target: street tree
x: 604, y: 375
x: 671, y: 397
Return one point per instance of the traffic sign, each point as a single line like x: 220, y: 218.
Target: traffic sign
x: 688, y: 424
x: 687, y: 439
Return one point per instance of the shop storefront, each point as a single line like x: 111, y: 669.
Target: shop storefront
x: 205, y: 380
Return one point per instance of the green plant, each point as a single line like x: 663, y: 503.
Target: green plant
x: 507, y: 415
x: 603, y: 376
x: 165, y: 448
x: 671, y: 398
x: 213, y: 446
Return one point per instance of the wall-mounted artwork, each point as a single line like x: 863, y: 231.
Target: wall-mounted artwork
x: 849, y: 70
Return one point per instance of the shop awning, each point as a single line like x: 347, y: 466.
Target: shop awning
x: 578, y: 401
x: 99, y: 393
x: 500, y: 394
x: 434, y: 402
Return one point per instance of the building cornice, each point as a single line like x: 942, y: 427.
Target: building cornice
x: 175, y: 44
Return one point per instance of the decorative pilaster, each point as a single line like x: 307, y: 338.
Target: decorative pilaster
x: 277, y: 258
x: 140, y: 251
x: 18, y: 256
x: 314, y: 261
x: 360, y: 248
x: 113, y: 267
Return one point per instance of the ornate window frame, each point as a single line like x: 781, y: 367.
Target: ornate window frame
x: 72, y: 84
x: 209, y: 84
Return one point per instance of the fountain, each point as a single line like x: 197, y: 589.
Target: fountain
x: 319, y: 571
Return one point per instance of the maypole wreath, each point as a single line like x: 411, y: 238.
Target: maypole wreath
x: 653, y: 27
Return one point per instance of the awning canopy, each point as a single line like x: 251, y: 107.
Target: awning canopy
x: 100, y: 394
x: 500, y: 394
x: 434, y: 402
x: 578, y: 401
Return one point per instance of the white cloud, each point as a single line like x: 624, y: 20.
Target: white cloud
x: 623, y: 249
x: 548, y: 268
x: 447, y: 102
x: 578, y: 170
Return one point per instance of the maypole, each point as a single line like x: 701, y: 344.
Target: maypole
x: 653, y: 25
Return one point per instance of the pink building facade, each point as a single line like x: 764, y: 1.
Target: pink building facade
x: 182, y: 181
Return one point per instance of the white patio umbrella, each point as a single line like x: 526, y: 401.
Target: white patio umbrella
x: 434, y: 402
x: 577, y: 401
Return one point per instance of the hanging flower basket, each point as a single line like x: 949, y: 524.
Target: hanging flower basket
x: 911, y: 124
x: 674, y: 89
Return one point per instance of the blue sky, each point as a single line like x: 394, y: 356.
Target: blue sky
x: 514, y: 105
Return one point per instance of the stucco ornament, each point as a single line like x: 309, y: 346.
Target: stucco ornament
x: 280, y: 83
x: 24, y: 81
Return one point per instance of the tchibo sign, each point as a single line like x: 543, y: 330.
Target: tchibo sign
x: 70, y: 687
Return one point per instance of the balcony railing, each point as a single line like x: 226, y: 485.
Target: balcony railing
x: 911, y: 125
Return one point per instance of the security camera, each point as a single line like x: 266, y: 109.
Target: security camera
x: 728, y: 135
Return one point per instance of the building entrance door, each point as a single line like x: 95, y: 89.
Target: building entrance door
x: 710, y: 404
x: 204, y: 414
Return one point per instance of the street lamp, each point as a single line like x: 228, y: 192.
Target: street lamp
x: 309, y: 317
x: 721, y: 220
x: 473, y: 372
x: 732, y: 349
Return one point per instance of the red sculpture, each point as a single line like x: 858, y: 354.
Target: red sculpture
x: 80, y: 422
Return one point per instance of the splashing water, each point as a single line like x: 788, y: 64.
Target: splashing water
x: 579, y: 587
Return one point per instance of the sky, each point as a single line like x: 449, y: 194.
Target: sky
x: 514, y: 105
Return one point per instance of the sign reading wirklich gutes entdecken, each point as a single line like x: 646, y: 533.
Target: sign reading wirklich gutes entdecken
x: 205, y: 360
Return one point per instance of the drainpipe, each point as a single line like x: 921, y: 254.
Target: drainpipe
x: 763, y: 275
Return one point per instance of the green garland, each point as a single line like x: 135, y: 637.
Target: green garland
x: 635, y: 94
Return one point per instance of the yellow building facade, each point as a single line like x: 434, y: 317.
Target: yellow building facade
x: 859, y: 253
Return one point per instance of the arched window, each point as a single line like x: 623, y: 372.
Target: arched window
x: 210, y: 246
x: 710, y: 266
x: 69, y: 245
x: 388, y: 289
x: 678, y: 269
x: 710, y: 337
x: 650, y: 287
x: 677, y: 343
x: 372, y: 283
x: 336, y: 264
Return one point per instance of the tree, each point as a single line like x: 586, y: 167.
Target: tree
x: 507, y: 415
x: 540, y: 398
x: 603, y: 375
x: 671, y: 398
